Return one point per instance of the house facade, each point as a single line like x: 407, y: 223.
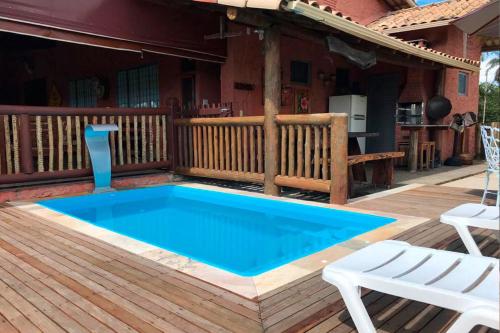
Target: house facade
x: 183, y: 54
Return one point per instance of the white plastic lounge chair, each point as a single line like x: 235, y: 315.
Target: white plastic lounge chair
x: 456, y: 281
x: 491, y: 139
x: 472, y: 215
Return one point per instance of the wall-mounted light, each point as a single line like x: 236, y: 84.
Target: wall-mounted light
x: 232, y: 13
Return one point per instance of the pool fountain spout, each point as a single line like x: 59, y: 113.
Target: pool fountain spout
x: 96, y: 138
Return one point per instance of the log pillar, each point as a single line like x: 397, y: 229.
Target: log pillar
x: 338, y: 160
x: 172, y: 144
x: 436, y: 135
x: 413, y: 151
x: 25, y: 144
x: 272, y: 103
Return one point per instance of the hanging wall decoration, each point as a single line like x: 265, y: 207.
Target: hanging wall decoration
x: 301, y: 101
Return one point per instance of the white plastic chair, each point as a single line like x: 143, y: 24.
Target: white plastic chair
x: 491, y: 139
x: 456, y: 281
x: 472, y: 215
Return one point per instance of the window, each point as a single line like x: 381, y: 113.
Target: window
x: 342, y: 81
x: 82, y: 93
x: 463, y: 83
x: 139, y: 87
x: 300, y: 72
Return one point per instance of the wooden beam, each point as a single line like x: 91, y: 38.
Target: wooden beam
x: 237, y: 176
x: 272, y: 102
x: 356, y: 159
x: 309, y: 184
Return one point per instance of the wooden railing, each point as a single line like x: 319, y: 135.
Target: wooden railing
x: 45, y: 143
x: 215, y: 110
x: 224, y: 148
x: 312, y: 151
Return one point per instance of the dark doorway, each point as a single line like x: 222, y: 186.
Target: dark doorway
x: 382, y: 93
x: 188, y: 93
x: 35, y: 93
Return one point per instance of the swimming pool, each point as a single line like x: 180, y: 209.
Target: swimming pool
x: 241, y: 234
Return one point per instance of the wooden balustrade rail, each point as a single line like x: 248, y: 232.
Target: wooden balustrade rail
x: 44, y: 142
x: 224, y: 148
x: 313, y: 151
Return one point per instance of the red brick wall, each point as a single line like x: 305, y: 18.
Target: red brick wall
x: 450, y: 39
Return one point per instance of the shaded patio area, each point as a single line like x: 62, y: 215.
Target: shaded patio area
x: 54, y: 279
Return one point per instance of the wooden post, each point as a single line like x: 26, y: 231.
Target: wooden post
x: 338, y: 160
x: 413, y: 151
x: 437, y: 135
x: 25, y: 144
x: 171, y: 140
x: 272, y: 101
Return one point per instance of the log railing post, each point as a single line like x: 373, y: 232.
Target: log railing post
x: 172, y: 135
x: 338, y: 159
x: 272, y: 102
x: 172, y: 142
x: 25, y: 144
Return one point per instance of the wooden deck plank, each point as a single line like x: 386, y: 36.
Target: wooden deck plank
x: 68, y: 308
x: 47, y: 308
x: 158, y: 306
x: 129, y: 300
x: 6, y: 326
x: 52, y: 285
x: 16, y: 318
x: 70, y: 279
x: 37, y: 317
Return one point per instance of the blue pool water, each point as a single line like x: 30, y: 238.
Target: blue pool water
x: 241, y: 234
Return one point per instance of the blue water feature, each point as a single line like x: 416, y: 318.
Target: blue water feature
x: 97, y: 140
x: 237, y: 233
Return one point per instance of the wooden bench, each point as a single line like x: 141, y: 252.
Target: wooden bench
x: 383, y: 167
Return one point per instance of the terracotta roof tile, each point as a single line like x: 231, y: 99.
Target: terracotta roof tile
x: 441, y: 11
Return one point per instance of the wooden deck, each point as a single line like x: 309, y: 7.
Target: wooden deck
x: 53, y: 279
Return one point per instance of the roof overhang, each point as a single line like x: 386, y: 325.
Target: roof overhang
x: 274, y: 4
x: 483, y: 22
x: 364, y: 33
x: 102, y: 23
